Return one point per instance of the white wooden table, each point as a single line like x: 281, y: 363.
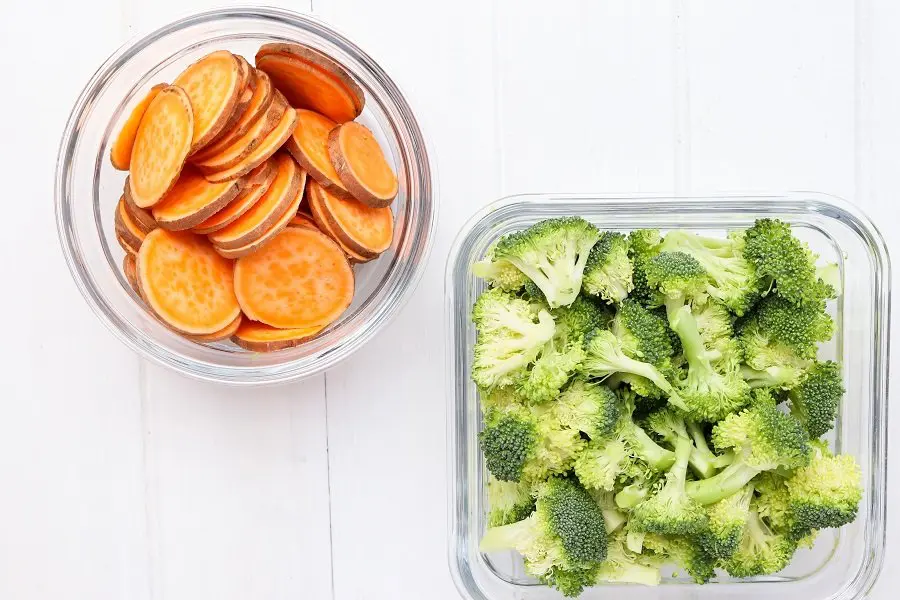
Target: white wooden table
x: 121, y: 480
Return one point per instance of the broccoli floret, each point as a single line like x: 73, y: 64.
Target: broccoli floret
x: 604, y: 356
x: 643, y: 244
x: 772, y: 500
x: 776, y: 376
x: 726, y: 521
x: 499, y: 273
x: 784, y: 262
x: 781, y: 334
x: 622, y: 565
x: 581, y: 317
x: 589, y: 407
x: 501, y: 398
x: 763, y: 439
x: 685, y: 552
x: 733, y: 279
x: 553, y: 254
x: 669, y: 426
x: 511, y: 334
x: 671, y: 511
x: 508, y: 501
x: 644, y: 334
x: 608, y: 273
x: 816, y: 401
x: 760, y: 551
x: 563, y: 542
x: 824, y: 493
x: 599, y: 465
x: 714, y: 323
x: 703, y: 461
x: 530, y: 444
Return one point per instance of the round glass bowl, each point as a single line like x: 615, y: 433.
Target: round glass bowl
x: 88, y: 188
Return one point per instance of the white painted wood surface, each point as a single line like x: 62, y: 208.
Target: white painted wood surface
x: 120, y: 480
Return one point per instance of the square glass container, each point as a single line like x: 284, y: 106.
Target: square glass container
x: 843, y: 563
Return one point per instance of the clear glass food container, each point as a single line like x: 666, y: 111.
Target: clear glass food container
x: 843, y: 563
x: 88, y: 188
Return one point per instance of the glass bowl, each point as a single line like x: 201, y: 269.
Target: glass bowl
x: 843, y: 563
x: 88, y: 188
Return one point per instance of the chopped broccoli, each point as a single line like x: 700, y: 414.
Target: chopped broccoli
x: 726, y: 521
x: 499, y: 273
x: 608, y: 273
x: 643, y: 244
x: 511, y: 334
x: 714, y: 323
x: 625, y: 566
x: 508, y: 501
x: 685, y: 552
x: 501, y: 398
x: 780, y: 334
x: 669, y: 426
x: 600, y: 464
x: 760, y: 551
x: 816, y: 401
x: 612, y: 516
x: 589, y: 407
x: 773, y: 500
x: 606, y: 356
x: 553, y: 254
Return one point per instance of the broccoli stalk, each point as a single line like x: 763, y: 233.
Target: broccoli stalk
x: 624, y: 565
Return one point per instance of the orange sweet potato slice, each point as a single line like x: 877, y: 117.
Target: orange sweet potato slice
x: 263, y: 95
x: 126, y: 246
x: 142, y: 218
x: 222, y: 334
x: 361, y: 165
x: 270, y: 233
x: 127, y: 228
x: 186, y: 283
x: 259, y: 337
x: 300, y: 279
x: 129, y: 269
x: 364, y: 230
x: 303, y: 220
x: 257, y: 186
x: 244, y: 145
x: 162, y: 143
x: 192, y: 200
x: 263, y: 152
x: 267, y: 210
x: 309, y: 145
x: 312, y: 80
x: 120, y: 153
x: 214, y: 85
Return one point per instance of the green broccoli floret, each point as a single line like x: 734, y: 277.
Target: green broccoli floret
x: 671, y: 511
x: 732, y: 278
x: 669, y: 426
x: 608, y: 271
x: 816, y: 401
x: 685, y: 552
x: 508, y: 501
x: 511, y: 334
x: 726, y: 521
x: 824, y: 493
x: 625, y: 566
x: 773, y: 501
x: 530, y: 444
x: 553, y: 254
x: 643, y: 244
x: 581, y: 317
x: 605, y: 356
x: 563, y: 542
x: 644, y: 334
x: 784, y: 262
x: 760, y: 551
x: 763, y: 439
x: 600, y: 464
x: 781, y: 334
x: 723, y: 349
x: 499, y: 273
x: 636, y: 492
x: 589, y: 407
x: 499, y: 398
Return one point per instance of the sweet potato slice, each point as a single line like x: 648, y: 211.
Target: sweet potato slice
x: 300, y: 279
x: 142, y: 218
x: 309, y: 145
x: 365, y: 230
x: 192, y: 200
x: 263, y: 95
x: 186, y: 283
x: 127, y: 228
x: 126, y: 246
x: 303, y: 220
x: 120, y: 153
x: 361, y: 165
x: 129, y: 269
x: 270, y: 233
x: 259, y: 337
x: 263, y: 152
x: 249, y: 196
x: 312, y: 80
x: 243, y: 146
x: 162, y: 143
x: 214, y: 85
x: 267, y: 210
x: 222, y: 334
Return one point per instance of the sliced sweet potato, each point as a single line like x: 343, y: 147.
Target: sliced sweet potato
x: 309, y: 145
x: 222, y: 334
x: 364, y: 230
x: 120, y: 153
x: 300, y: 279
x: 263, y: 95
x: 162, y: 143
x: 246, y: 71
x: 361, y: 165
x: 259, y: 337
x: 270, y: 233
x: 243, y: 146
x: 192, y: 200
x: 303, y: 220
x: 267, y: 210
x: 129, y: 269
x: 186, y: 283
x: 214, y: 85
x: 263, y: 152
x: 126, y: 246
x: 262, y: 173
x: 312, y: 80
x: 249, y: 196
x: 142, y: 218
x: 127, y: 228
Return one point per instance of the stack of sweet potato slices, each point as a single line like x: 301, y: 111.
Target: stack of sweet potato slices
x: 251, y: 192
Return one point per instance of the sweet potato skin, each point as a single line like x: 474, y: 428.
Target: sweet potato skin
x: 350, y: 178
x: 126, y: 246
x: 127, y: 228
x: 309, y: 147
x: 120, y: 153
x: 326, y: 208
x: 248, y: 197
x: 259, y: 337
x: 266, y: 148
x: 129, y: 269
x: 303, y: 220
x: 193, y: 200
x: 222, y: 70
x: 142, y: 218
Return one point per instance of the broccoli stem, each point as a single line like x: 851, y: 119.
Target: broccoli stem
x: 724, y: 484
x: 504, y: 537
x: 631, y: 495
x: 635, y: 573
x: 634, y: 540
x: 659, y: 458
x: 682, y: 321
x: 613, y: 519
x: 703, y: 461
